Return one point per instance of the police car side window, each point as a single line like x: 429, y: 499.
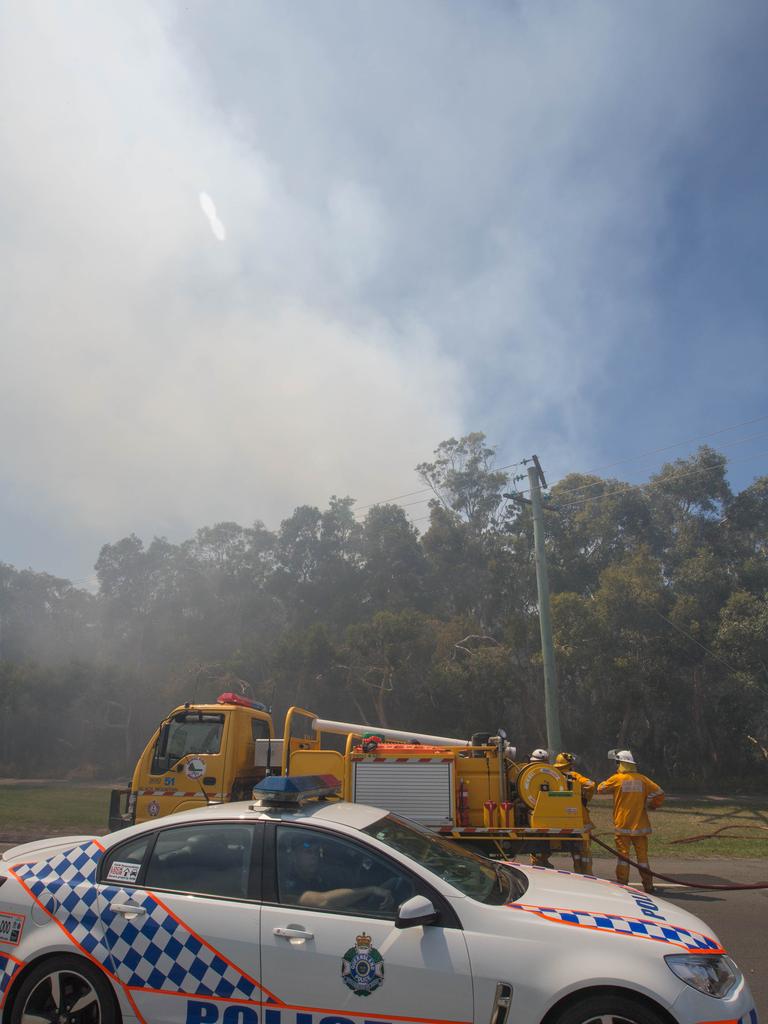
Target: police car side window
x: 319, y: 871
x: 122, y: 866
x: 207, y: 859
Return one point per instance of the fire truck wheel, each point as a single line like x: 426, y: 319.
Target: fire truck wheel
x: 609, y: 1009
x: 65, y: 988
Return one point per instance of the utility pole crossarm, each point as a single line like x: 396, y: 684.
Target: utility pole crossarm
x: 539, y: 470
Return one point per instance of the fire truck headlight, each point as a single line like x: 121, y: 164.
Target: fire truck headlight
x: 713, y: 975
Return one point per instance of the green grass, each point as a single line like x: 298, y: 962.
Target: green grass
x: 30, y: 810
x: 691, y: 816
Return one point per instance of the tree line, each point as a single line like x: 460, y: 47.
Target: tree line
x: 659, y: 600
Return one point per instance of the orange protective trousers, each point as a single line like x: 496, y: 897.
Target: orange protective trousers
x: 640, y: 843
x: 582, y: 856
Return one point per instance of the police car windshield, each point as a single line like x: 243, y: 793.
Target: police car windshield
x: 471, y: 874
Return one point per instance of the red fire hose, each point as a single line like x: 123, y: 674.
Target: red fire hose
x: 730, y: 887
x: 718, y: 834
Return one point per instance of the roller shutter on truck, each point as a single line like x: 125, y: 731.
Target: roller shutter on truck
x: 423, y: 792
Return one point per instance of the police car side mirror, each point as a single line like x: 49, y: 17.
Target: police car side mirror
x: 418, y: 910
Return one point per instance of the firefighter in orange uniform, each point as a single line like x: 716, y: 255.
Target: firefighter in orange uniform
x: 582, y: 854
x: 633, y: 796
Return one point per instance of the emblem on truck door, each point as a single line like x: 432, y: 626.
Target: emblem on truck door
x: 194, y: 768
x: 362, y: 967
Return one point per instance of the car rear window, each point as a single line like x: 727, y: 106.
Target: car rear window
x: 204, y: 859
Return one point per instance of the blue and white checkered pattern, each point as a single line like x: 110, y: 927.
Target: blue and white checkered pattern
x: 540, y: 867
x: 72, y: 866
x: 8, y: 968
x: 152, y: 951
x: 615, y: 923
x: 156, y: 951
x: 563, y: 871
x: 65, y: 885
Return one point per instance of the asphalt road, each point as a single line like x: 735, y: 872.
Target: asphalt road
x: 739, y: 919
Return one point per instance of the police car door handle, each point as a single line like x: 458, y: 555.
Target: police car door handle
x: 294, y: 934
x: 128, y: 909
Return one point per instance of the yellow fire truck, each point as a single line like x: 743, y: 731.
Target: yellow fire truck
x: 471, y: 790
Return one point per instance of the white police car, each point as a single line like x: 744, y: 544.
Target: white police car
x: 336, y: 913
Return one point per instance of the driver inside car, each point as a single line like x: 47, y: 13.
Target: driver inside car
x: 307, y: 880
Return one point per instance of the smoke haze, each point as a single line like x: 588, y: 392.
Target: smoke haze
x: 437, y: 218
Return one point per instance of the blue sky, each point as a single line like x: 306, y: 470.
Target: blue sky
x: 544, y: 220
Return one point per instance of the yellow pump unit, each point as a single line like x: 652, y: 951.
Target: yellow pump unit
x: 475, y: 793
x: 545, y: 790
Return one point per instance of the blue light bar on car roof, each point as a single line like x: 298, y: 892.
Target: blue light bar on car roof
x: 295, y: 789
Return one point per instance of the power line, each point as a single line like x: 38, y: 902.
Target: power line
x: 421, y: 501
x: 698, y: 643
x: 387, y: 501
x: 598, y: 469
x: 423, y: 490
x: 626, y: 488
x: 88, y: 579
x: 595, y: 483
x: 669, y: 622
x: 678, y: 444
x: 574, y: 490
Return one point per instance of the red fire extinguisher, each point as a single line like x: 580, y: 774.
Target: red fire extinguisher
x: 463, y: 803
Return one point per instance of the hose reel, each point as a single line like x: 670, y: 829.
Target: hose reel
x: 533, y: 778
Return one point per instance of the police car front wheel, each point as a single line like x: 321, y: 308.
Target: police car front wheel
x: 609, y: 1009
x: 65, y: 990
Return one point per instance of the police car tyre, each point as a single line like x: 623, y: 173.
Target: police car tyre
x: 65, y: 990
x: 609, y: 1009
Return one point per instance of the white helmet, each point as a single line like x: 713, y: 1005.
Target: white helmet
x: 622, y: 755
x: 539, y: 755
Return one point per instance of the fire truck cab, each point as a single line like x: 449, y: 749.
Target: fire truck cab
x: 201, y: 754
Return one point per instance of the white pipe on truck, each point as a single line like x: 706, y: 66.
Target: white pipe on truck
x: 325, y: 725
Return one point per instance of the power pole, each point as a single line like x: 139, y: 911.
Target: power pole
x: 536, y: 480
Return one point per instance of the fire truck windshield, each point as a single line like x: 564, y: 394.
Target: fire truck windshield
x: 190, y: 732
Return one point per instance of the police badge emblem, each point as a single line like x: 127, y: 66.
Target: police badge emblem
x: 362, y: 967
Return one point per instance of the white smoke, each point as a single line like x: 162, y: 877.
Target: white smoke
x: 438, y: 221
x: 152, y: 382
